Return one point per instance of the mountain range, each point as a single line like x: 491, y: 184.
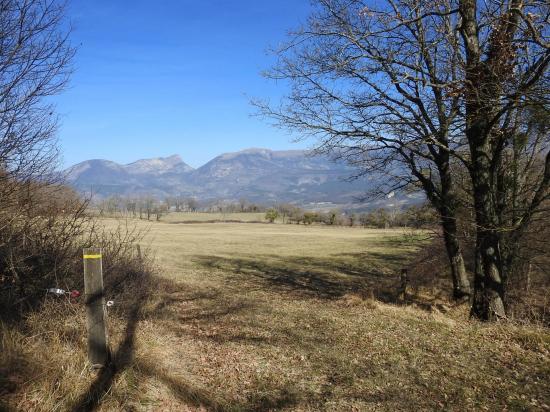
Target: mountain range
x: 259, y: 175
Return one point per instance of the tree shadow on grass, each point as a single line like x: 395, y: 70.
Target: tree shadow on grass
x: 325, y: 278
x: 123, y: 357
x: 368, y: 274
x: 209, y: 306
x: 119, y: 361
x: 181, y: 389
x: 194, y: 312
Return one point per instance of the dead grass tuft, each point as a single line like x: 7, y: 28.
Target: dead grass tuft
x: 365, y: 299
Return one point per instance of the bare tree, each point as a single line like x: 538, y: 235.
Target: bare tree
x: 243, y: 204
x: 369, y: 85
x: 37, y: 218
x: 130, y: 204
x: 192, y: 204
x: 149, y: 206
x: 426, y: 87
x: 169, y: 201
x: 179, y: 203
x: 506, y: 78
x: 35, y: 62
x: 284, y: 209
x: 159, y: 210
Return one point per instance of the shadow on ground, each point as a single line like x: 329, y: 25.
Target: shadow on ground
x: 223, y: 314
x: 313, y: 277
x: 121, y: 358
x: 207, y: 308
x: 368, y: 275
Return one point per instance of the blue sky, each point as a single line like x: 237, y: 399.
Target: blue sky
x: 158, y: 78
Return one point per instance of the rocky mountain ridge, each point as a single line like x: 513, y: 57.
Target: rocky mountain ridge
x: 259, y: 175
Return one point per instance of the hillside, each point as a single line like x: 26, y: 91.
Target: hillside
x: 260, y: 175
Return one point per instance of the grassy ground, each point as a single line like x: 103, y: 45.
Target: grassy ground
x: 197, y: 217
x: 282, y: 317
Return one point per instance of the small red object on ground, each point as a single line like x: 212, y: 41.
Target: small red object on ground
x: 75, y: 294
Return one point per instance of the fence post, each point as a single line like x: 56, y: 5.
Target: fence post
x: 404, y: 282
x: 98, y: 352
x: 138, y: 246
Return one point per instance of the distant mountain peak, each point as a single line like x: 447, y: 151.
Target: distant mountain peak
x: 259, y: 151
x: 250, y: 151
x: 255, y: 150
x: 158, y: 165
x: 175, y: 158
x: 257, y: 174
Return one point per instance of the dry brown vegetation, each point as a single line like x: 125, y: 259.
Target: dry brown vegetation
x: 276, y: 317
x: 214, y: 217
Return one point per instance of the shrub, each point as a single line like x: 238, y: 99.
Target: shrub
x: 271, y: 215
x: 310, y: 217
x: 43, y: 229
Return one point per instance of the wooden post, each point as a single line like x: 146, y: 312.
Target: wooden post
x: 404, y: 282
x: 138, y: 246
x: 98, y: 352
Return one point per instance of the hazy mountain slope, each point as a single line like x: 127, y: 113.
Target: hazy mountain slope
x: 259, y: 175
x: 158, y: 165
x: 101, y: 177
x: 154, y: 176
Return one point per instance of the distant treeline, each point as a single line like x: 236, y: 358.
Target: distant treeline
x: 414, y: 216
x: 150, y: 208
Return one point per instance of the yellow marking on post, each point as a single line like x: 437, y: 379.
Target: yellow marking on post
x: 92, y: 256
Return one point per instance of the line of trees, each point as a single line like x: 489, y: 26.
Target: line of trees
x: 241, y: 206
x: 150, y: 207
x: 146, y: 207
x: 416, y: 217
x: 447, y: 96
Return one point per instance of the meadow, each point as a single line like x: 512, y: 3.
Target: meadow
x: 201, y: 217
x: 258, y: 317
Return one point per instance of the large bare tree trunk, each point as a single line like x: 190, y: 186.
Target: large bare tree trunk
x: 489, y: 289
x: 447, y: 210
x: 488, y: 302
x: 482, y: 90
x: 461, y: 284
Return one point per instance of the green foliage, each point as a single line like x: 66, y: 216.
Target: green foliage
x: 271, y: 215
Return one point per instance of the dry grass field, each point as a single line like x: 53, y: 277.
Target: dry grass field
x: 198, y: 217
x: 259, y: 317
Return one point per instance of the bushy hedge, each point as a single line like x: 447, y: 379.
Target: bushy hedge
x: 43, y: 229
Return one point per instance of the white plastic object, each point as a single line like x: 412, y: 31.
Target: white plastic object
x: 110, y: 303
x: 56, y: 291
